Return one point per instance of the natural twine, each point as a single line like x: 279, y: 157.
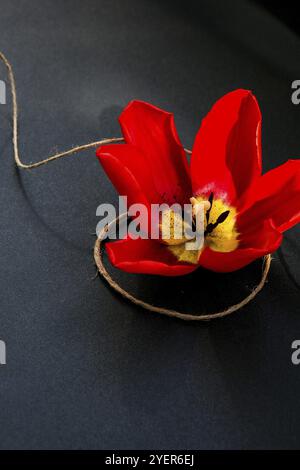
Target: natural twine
x: 99, y: 243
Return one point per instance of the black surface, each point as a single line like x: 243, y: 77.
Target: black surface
x: 84, y: 368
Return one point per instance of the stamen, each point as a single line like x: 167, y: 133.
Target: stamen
x: 210, y: 200
x: 222, y: 217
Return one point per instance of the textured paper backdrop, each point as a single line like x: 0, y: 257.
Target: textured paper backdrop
x: 84, y: 368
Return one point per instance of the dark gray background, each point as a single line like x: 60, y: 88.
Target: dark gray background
x: 84, y: 368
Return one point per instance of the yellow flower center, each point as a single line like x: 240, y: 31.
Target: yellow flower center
x: 219, y: 226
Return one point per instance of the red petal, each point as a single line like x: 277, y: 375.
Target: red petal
x: 145, y: 256
x: 153, y: 132
x: 227, y: 151
x: 266, y: 239
x: 127, y: 170
x: 275, y: 195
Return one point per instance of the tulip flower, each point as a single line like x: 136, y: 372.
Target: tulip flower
x: 245, y: 212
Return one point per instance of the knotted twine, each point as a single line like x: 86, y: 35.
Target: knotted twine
x: 98, y: 248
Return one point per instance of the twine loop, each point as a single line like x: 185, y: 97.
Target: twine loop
x: 98, y: 257
x: 99, y: 242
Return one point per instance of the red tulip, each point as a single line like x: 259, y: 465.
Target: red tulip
x: 248, y: 211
